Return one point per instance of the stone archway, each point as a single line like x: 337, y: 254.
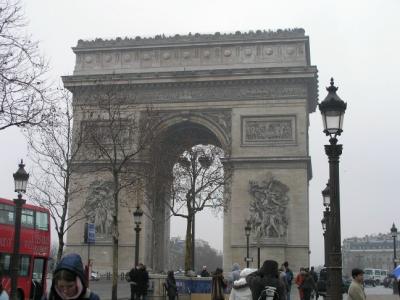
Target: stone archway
x: 251, y: 93
x: 175, y: 135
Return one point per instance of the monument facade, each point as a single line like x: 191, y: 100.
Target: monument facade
x: 248, y: 93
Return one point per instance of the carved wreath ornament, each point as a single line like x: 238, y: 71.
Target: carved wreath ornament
x: 268, y: 215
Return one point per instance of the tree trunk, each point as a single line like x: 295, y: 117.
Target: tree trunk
x: 188, y: 245
x: 60, y: 247
x: 115, y: 233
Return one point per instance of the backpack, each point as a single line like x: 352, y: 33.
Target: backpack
x: 269, y: 293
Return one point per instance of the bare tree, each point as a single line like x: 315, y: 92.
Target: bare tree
x: 116, y: 137
x: 22, y: 69
x: 52, y: 154
x: 198, y: 181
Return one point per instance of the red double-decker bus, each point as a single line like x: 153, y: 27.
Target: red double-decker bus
x: 34, y: 248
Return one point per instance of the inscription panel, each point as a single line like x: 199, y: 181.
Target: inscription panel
x: 268, y: 130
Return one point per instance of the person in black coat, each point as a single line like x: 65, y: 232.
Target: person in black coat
x: 142, y: 281
x: 170, y: 286
x: 267, y: 275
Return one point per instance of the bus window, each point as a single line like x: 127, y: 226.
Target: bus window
x: 24, y: 265
x: 6, y: 214
x: 377, y: 272
x: 5, y: 261
x: 27, y: 218
x: 38, y: 268
x: 42, y: 222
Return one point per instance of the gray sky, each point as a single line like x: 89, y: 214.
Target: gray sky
x: 355, y: 41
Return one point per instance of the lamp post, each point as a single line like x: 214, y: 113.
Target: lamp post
x: 20, y: 182
x: 258, y: 243
x: 247, y: 230
x: 393, y: 231
x: 332, y: 110
x: 325, y: 220
x: 137, y: 217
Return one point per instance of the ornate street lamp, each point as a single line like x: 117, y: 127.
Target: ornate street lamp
x: 137, y: 218
x: 20, y: 182
x: 332, y: 110
x: 247, y: 230
x: 393, y: 231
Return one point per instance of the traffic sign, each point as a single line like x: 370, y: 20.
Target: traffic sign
x: 250, y: 259
x: 91, y: 233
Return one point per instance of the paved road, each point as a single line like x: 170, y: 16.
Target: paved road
x: 103, y: 289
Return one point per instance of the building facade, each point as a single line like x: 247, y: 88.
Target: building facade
x: 371, y: 251
x: 248, y: 93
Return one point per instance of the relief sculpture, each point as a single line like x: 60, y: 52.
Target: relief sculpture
x: 266, y: 130
x: 268, y: 215
x: 100, y: 207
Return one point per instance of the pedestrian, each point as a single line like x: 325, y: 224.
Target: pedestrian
x: 289, y: 278
x: 240, y: 289
x: 235, y: 273
x: 3, y: 292
x: 282, y: 278
x: 315, y: 278
x: 308, y: 286
x: 69, y: 280
x: 204, y: 272
x: 299, y: 281
x: 218, y: 285
x: 170, y: 286
x: 132, y: 280
x: 267, y: 277
x: 142, y: 282
x: 356, y: 289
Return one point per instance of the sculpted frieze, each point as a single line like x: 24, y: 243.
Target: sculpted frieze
x: 266, y: 130
x: 185, y: 93
x: 140, y: 59
x: 268, y: 210
x: 99, y: 208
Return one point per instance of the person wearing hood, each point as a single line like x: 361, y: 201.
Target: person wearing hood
x: 69, y: 280
x: 235, y: 274
x: 240, y: 288
x: 268, y: 275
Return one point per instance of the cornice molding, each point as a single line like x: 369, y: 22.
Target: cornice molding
x: 161, y: 39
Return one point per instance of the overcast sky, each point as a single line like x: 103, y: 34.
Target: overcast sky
x: 357, y: 42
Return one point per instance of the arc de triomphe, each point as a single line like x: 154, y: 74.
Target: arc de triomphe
x: 250, y: 94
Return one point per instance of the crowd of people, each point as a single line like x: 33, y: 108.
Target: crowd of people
x: 270, y: 282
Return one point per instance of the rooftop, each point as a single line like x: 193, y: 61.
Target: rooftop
x: 193, y: 38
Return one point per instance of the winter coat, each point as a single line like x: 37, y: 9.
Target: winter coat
x: 170, y: 286
x: 142, y: 281
x: 73, y: 263
x: 308, y: 283
x: 218, y: 285
x: 356, y: 291
x: 268, y: 275
x: 240, y: 290
x: 235, y: 274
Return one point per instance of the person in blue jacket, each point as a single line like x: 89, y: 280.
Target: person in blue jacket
x: 69, y: 280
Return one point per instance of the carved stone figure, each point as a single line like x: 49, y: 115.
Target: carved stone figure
x: 268, y: 215
x: 100, y: 208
